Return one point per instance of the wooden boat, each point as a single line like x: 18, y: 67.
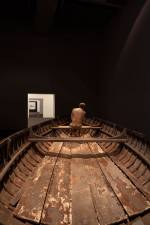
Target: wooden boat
x: 98, y: 175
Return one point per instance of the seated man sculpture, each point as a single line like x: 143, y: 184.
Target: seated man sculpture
x: 77, y: 116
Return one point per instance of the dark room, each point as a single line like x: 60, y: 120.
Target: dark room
x: 74, y: 115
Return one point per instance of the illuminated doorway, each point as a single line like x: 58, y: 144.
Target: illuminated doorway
x: 41, y: 107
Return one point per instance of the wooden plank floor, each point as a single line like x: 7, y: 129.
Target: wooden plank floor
x: 31, y: 203
x: 83, y: 211
x: 57, y: 204
x: 72, y: 189
x: 131, y: 199
x: 104, y: 199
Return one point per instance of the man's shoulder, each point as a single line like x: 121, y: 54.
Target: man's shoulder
x: 77, y: 110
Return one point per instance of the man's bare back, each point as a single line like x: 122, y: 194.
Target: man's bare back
x: 77, y: 116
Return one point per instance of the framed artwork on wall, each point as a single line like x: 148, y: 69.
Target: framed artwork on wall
x: 33, y: 106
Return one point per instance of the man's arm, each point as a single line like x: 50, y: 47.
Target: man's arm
x: 72, y: 114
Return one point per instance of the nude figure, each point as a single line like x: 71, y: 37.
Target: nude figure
x: 77, y: 116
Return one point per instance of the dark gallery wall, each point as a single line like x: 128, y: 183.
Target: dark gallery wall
x: 124, y: 80
x: 61, y: 64
x: 109, y: 70
x: 134, y: 68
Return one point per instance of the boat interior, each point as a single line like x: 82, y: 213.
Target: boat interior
x: 96, y: 175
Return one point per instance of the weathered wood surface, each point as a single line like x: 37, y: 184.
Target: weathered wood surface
x: 7, y: 218
x: 138, y: 185
x: 82, y: 127
x: 83, y: 211
x: 137, y: 221
x: 131, y: 199
x: 107, y: 207
x: 76, y: 139
x: 80, y: 186
x: 31, y: 203
x: 57, y: 207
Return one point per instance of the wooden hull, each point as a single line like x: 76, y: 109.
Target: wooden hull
x: 88, y: 183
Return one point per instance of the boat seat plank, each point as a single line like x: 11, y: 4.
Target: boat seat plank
x: 75, y: 139
x: 34, y: 192
x: 132, y: 200
x: 82, y: 127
